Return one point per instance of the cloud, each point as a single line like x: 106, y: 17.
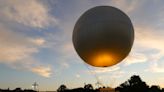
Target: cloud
x: 147, y: 37
x: 43, y: 71
x: 31, y: 65
x: 150, y: 40
x: 77, y: 76
x: 38, y: 41
x: 64, y: 65
x: 105, y: 70
x: 16, y: 51
x: 63, y: 48
x: 148, y: 47
x: 113, y: 75
x: 30, y: 13
x: 17, y: 47
x: 14, y: 46
x: 118, y: 74
x: 154, y: 67
x: 135, y: 58
x: 112, y: 78
x: 127, y: 6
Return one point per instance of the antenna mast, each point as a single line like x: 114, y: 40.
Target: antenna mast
x: 35, y: 86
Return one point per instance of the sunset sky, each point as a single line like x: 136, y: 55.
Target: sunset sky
x: 36, y: 44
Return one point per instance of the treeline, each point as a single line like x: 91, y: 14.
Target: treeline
x: 87, y: 88
x: 134, y: 84
x: 16, y: 90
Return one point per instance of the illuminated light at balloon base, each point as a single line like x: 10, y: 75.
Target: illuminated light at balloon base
x: 103, y: 59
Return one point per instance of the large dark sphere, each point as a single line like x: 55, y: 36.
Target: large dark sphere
x: 103, y: 36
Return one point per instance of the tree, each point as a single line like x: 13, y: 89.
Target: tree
x: 62, y: 88
x: 88, y: 86
x: 155, y: 88
x: 134, y: 84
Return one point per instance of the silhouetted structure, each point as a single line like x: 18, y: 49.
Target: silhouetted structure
x: 35, y: 86
x: 106, y: 89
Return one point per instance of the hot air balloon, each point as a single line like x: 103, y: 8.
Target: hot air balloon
x: 103, y: 36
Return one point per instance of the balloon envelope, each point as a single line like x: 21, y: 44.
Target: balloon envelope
x: 103, y: 36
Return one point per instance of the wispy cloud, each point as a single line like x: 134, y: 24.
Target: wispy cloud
x: 14, y: 46
x: 38, y: 41
x: 149, y: 38
x: 31, y: 65
x: 105, y: 70
x: 16, y: 49
x: 127, y: 6
x: 43, y: 71
x: 111, y: 79
x: 118, y: 74
x: 77, y: 76
x: 148, y: 48
x: 30, y: 13
x: 154, y: 67
x: 135, y: 58
x: 64, y: 65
